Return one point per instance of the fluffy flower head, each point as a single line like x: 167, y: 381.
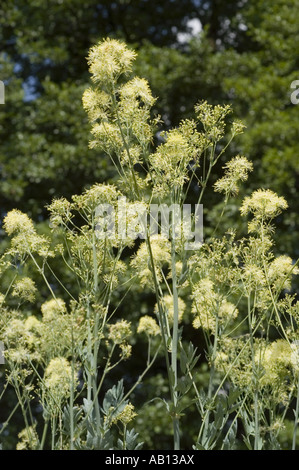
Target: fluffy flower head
x: 17, y: 222
x: 120, y: 331
x: 109, y: 59
x: 148, y: 325
x: 25, y: 289
x: 53, y: 307
x: 263, y: 203
x: 58, y: 376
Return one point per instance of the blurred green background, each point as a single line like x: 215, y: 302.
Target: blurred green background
x: 244, y: 53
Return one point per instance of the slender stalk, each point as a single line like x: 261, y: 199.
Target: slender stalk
x: 204, y: 426
x: 124, y: 437
x: 89, y: 354
x: 255, y: 380
x: 173, y: 367
x: 108, y: 367
x: 296, y: 419
x: 5, y: 424
x: 139, y: 380
x: 19, y: 396
x: 41, y: 271
x: 124, y: 142
x: 174, y: 347
x: 53, y: 429
x: 60, y: 429
x: 256, y: 421
x: 148, y: 351
x: 72, y: 395
x: 44, y: 435
x: 161, y: 312
x: 95, y: 330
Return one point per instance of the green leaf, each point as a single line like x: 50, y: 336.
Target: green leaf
x: 66, y: 418
x: 183, y: 385
x: 229, y: 442
x: 113, y: 397
x: 131, y: 440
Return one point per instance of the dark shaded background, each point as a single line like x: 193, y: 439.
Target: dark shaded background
x: 245, y: 54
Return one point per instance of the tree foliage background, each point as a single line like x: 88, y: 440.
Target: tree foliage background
x: 244, y: 53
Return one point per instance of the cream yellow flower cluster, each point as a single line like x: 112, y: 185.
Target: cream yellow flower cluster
x: 135, y: 103
x: 97, y: 194
x: 236, y: 170
x: 148, y: 325
x: 169, y: 162
x: 25, y: 239
x: 60, y: 212
x: 120, y: 331
x: 108, y: 60
x: 17, y: 222
x: 20, y: 342
x: 127, y: 415
x: 280, y: 272
x: 141, y: 264
x: 210, y: 307
x: 28, y: 439
x: 167, y: 303
x: 279, y: 360
x: 138, y: 90
x: 58, y: 377
x: 274, y: 365
x: 107, y: 137
x: 97, y: 103
x: 25, y: 289
x: 212, y: 118
x: 51, y: 308
x: 264, y: 204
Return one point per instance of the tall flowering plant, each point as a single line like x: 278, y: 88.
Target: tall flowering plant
x: 235, y: 291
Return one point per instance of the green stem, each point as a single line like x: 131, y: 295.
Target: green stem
x: 296, y: 419
x: 72, y: 399
x: 19, y: 396
x: 173, y: 366
x: 44, y: 435
x: 206, y: 418
x: 255, y: 380
x: 125, y: 142
x: 96, y: 327
x: 161, y: 312
x: 174, y: 347
x: 256, y: 421
x: 53, y: 429
x: 41, y: 271
x: 124, y: 437
x: 5, y: 424
x: 142, y: 375
x: 89, y: 355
